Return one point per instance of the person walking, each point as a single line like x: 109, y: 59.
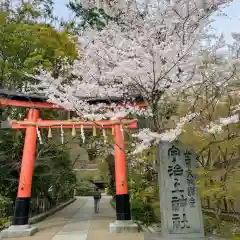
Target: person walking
x: 97, y: 196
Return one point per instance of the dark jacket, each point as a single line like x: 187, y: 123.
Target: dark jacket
x: 97, y: 195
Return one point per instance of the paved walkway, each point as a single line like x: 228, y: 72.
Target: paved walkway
x: 99, y: 225
x: 78, y: 222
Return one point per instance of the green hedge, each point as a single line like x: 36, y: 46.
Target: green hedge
x: 142, y: 211
x: 84, y: 191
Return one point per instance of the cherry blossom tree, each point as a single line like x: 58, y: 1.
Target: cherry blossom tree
x: 151, y: 49
x: 228, y: 91
x: 215, y: 132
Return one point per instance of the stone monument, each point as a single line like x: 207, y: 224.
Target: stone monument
x: 181, y: 215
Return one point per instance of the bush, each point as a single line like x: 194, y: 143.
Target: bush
x: 142, y: 211
x: 111, y: 189
x: 4, y: 222
x: 156, y: 209
x: 221, y: 228
x: 84, y: 190
x: 5, y: 206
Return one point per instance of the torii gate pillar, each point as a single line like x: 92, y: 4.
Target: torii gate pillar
x: 20, y: 227
x: 122, y: 196
x: 123, y: 223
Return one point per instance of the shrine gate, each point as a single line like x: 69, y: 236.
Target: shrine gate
x: 33, y: 123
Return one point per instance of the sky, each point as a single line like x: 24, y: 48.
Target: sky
x: 222, y: 24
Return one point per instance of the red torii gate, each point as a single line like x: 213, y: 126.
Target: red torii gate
x: 21, y: 212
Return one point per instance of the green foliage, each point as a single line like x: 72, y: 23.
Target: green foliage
x: 53, y: 178
x: 92, y: 17
x: 111, y: 188
x: 218, y: 153
x: 11, y: 145
x: 53, y: 174
x: 5, y: 206
x: 84, y: 190
x: 4, y: 222
x: 142, y: 211
x: 156, y: 208
x: 28, y: 44
x: 222, y: 228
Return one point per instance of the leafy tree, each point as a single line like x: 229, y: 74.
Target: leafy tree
x: 27, y: 44
x: 53, y: 169
x: 92, y: 16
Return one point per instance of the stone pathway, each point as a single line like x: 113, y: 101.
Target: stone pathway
x: 54, y: 223
x: 99, y: 224
x: 78, y: 227
x: 78, y: 222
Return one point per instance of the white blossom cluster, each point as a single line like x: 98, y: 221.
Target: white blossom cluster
x: 217, y: 127
x: 147, y: 137
x: 151, y: 53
